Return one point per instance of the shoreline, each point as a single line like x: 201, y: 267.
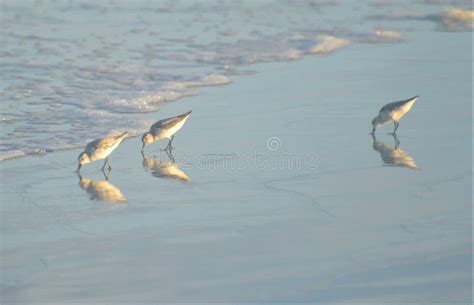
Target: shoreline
x: 350, y: 230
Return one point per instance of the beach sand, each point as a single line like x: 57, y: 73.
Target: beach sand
x: 339, y: 225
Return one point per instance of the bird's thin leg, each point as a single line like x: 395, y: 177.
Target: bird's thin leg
x: 396, y: 127
x: 171, y: 141
x: 105, y: 163
x: 397, y: 142
x: 108, y: 162
x: 170, y: 156
x: 166, y: 147
x: 106, y: 175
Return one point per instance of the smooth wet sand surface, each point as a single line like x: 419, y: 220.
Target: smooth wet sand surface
x: 366, y: 224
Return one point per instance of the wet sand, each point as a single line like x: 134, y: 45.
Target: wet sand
x: 230, y: 222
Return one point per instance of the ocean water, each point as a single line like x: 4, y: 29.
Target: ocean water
x: 362, y: 222
x: 75, y: 71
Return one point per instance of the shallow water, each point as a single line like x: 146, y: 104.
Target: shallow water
x: 73, y: 72
x: 350, y: 219
x: 354, y: 228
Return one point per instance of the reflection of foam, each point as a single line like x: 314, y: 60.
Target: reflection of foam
x: 329, y: 44
x: 457, y: 19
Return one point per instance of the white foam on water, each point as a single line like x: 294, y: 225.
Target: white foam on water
x: 206, y: 81
x: 20, y: 153
x: 389, y: 36
x: 147, y: 103
x: 453, y: 19
x: 457, y: 19
x: 328, y: 44
x: 66, y: 82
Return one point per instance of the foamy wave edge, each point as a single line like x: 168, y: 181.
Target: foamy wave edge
x: 171, y: 91
x: 41, y: 152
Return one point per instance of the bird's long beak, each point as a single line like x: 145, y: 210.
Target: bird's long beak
x: 373, y: 130
x: 79, y: 167
x: 143, y: 147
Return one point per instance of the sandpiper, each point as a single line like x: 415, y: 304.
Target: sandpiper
x: 100, y: 149
x: 165, y: 129
x: 393, y: 112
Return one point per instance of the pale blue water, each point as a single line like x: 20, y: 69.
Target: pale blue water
x: 75, y: 71
x: 355, y: 229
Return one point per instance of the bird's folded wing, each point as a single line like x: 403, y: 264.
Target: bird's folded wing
x: 165, y: 124
x: 107, y: 143
x: 392, y: 106
x: 92, y: 146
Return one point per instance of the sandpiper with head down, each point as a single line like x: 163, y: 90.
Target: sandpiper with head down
x: 393, y: 112
x: 100, y: 149
x: 165, y: 129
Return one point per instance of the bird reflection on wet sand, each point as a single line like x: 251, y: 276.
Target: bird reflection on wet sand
x: 101, y: 190
x: 393, y: 156
x: 164, y: 169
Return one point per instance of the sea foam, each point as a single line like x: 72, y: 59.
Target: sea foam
x: 328, y: 44
x: 67, y: 82
x: 457, y: 19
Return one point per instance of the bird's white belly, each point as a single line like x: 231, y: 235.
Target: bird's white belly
x: 397, y: 114
x: 103, y: 153
x: 169, y: 132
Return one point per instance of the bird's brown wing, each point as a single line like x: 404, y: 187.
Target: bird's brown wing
x: 392, y: 106
x: 168, y: 123
x: 104, y: 143
x: 92, y: 146
x: 396, y: 105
